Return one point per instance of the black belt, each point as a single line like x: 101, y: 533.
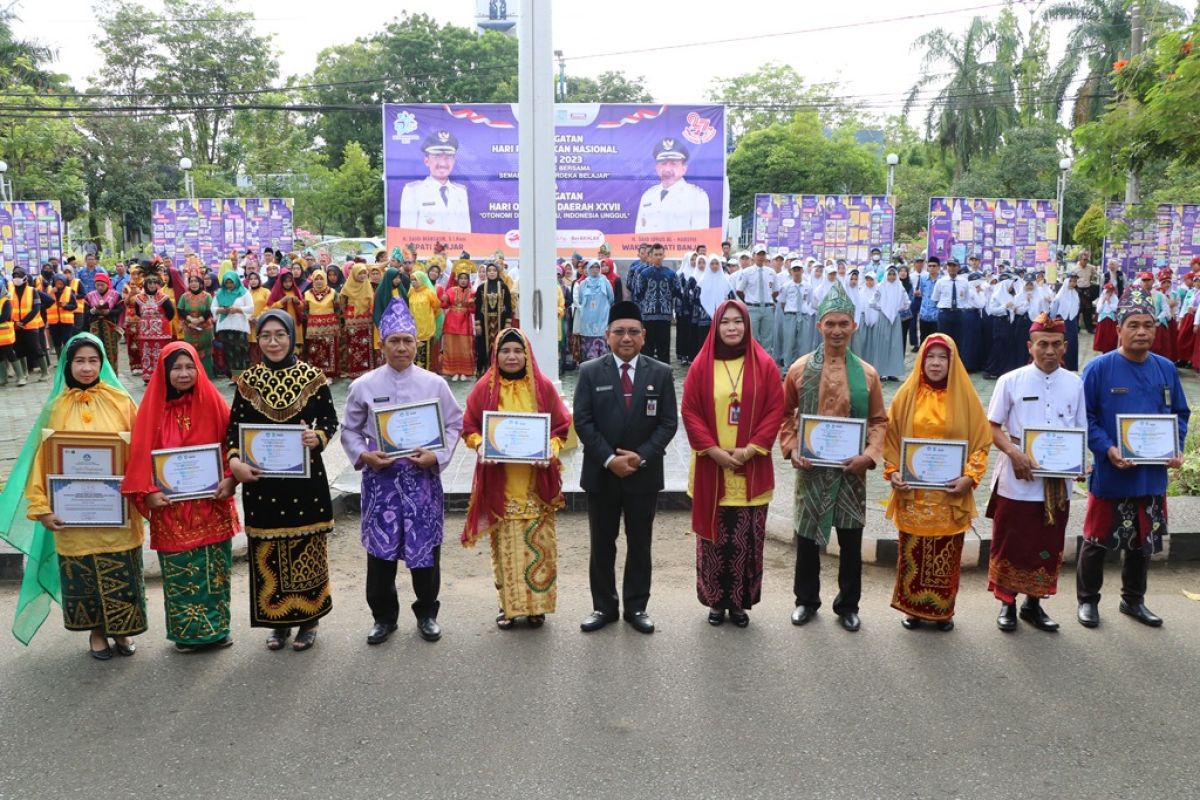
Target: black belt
x: 759, y: 305
x: 949, y: 310
x: 789, y: 313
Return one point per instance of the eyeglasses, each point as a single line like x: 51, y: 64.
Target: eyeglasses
x: 621, y: 333
x: 273, y: 337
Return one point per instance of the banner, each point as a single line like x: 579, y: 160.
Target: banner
x: 825, y: 225
x: 1168, y: 238
x: 213, y: 227
x: 626, y: 174
x: 31, y: 233
x: 1021, y: 232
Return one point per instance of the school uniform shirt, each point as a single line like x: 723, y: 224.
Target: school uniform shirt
x: 1027, y: 397
x: 432, y: 206
x: 757, y: 285
x: 791, y: 297
x: 946, y: 288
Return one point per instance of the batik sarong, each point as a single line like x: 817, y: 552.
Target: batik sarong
x: 1026, y: 552
x: 927, y: 575
x: 729, y: 571
x: 289, y: 580
x: 525, y: 565
x: 196, y: 592
x: 104, y: 592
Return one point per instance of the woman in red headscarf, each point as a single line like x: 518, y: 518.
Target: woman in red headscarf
x: 516, y: 503
x: 285, y: 296
x: 182, y: 408
x: 732, y: 410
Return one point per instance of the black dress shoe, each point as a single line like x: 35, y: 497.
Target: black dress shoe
x: 802, y: 615
x: 1032, y: 612
x: 739, y: 618
x: 429, y: 629
x: 640, y: 621
x: 379, y: 632
x: 1089, y: 615
x: 128, y: 650
x: 945, y: 625
x: 911, y: 623
x: 1007, y: 620
x: 1142, y: 614
x: 595, y: 621
x: 850, y: 621
x: 716, y: 616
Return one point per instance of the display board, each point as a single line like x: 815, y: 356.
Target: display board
x: 626, y: 174
x: 1021, y: 232
x: 1170, y: 237
x: 213, y: 227
x: 31, y: 233
x: 825, y: 225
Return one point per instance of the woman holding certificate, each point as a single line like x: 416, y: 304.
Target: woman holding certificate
x: 178, y: 480
x: 282, y: 418
x: 98, y: 567
x: 516, y: 503
x: 937, y: 435
x: 732, y: 409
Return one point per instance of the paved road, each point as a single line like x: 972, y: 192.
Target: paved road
x: 691, y: 712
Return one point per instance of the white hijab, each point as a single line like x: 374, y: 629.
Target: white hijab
x: 892, y: 297
x: 1066, y: 302
x: 868, y: 300
x: 715, y: 287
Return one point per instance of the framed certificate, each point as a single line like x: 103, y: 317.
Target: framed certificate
x: 77, y: 453
x: 188, y: 473
x: 516, y: 438
x: 932, y: 463
x: 1056, y: 452
x: 403, y: 429
x: 828, y: 441
x: 90, y: 501
x: 1148, y: 438
x: 277, y: 450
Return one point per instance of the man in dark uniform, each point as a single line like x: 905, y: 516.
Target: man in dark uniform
x: 625, y: 416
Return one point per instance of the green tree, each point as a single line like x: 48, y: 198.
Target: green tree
x: 131, y: 161
x: 607, y: 87
x: 771, y: 95
x: 356, y: 185
x: 24, y: 63
x: 799, y: 157
x: 1091, y: 229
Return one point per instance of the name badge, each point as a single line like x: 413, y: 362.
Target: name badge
x: 1029, y: 399
x: 1119, y: 390
x: 1167, y: 396
x: 604, y: 388
x: 381, y: 399
x: 735, y: 413
x: 652, y: 407
x: 429, y: 203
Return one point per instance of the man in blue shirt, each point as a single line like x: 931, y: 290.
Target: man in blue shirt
x: 631, y: 277
x: 1127, y: 503
x: 927, y: 319
x: 655, y: 294
x: 87, y: 275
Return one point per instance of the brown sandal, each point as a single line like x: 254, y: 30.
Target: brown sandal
x: 503, y: 622
x: 305, y: 639
x: 537, y: 620
x: 278, y: 638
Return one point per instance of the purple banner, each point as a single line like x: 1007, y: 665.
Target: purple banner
x: 1168, y: 238
x: 825, y: 226
x: 214, y: 227
x: 31, y: 233
x: 1021, y: 232
x: 625, y: 174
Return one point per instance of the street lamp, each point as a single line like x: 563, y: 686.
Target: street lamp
x: 1064, y: 168
x: 189, y: 183
x: 6, y: 190
x: 892, y: 161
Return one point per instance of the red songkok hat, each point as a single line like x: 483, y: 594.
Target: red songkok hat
x: 1146, y: 275
x: 1045, y: 324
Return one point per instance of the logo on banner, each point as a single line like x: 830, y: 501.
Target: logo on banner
x: 699, y: 129
x: 404, y: 128
x: 512, y: 238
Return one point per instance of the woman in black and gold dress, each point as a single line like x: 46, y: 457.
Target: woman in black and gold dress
x: 287, y: 519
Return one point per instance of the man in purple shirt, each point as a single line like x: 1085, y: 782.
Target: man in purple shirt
x: 402, y: 509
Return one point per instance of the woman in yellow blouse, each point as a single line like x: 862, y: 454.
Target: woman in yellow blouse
x: 516, y: 504
x: 260, y: 294
x: 99, y: 570
x: 732, y: 410
x: 937, y: 401
x: 426, y: 309
x: 323, y: 326
x: 357, y: 300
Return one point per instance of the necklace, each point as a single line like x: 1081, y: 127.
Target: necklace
x: 734, y: 383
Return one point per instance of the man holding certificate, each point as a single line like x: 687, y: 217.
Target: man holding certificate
x: 834, y: 383
x: 1028, y: 508
x: 401, y: 453
x: 1127, y: 504
x: 625, y: 416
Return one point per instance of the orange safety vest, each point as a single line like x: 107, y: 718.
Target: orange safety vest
x: 8, y: 331
x: 56, y: 314
x: 24, y: 306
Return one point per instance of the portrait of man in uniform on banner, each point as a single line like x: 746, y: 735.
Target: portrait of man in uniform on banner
x: 437, y: 203
x: 673, y: 204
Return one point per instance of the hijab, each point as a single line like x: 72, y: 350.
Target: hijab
x: 383, y: 294
x: 281, y: 288
x: 715, y: 287
x: 227, y: 297
x: 360, y: 294
x: 510, y: 336
x: 289, y: 325
x: 727, y: 352
x: 68, y: 355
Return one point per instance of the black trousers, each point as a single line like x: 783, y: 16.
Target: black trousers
x: 605, y: 511
x: 807, y: 582
x: 1087, y: 308
x: 926, y: 327
x: 381, y: 588
x: 683, y: 337
x: 1089, y: 574
x: 658, y: 340
x: 950, y: 322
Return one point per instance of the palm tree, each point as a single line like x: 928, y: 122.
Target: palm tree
x: 1102, y: 33
x: 974, y: 108
x: 21, y: 61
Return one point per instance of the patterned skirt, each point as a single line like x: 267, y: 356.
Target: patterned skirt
x: 729, y: 571
x: 593, y: 347
x: 104, y: 592
x: 196, y: 593
x: 422, y: 358
x: 151, y: 348
x: 321, y: 349
x: 1026, y: 553
x: 525, y: 565
x: 236, y: 347
x: 289, y: 580
x: 458, y: 357
x: 927, y: 575
x: 133, y: 347
x: 358, y: 347
x: 108, y: 333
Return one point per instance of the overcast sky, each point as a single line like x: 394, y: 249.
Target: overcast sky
x: 872, y: 61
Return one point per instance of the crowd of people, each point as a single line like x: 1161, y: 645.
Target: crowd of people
x: 735, y: 410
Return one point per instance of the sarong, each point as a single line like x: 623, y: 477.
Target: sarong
x: 289, y: 580
x: 593, y: 347
x: 457, y: 355
x: 729, y: 571
x: 196, y: 593
x: 359, y: 347
x: 525, y: 565
x: 151, y: 348
x: 927, y: 573
x: 236, y: 349
x: 108, y: 333
x: 1126, y: 523
x: 321, y: 350
x: 104, y: 592
x: 422, y: 357
x: 133, y: 347
x: 1026, y: 553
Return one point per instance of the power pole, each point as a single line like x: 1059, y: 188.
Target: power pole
x: 1132, y: 183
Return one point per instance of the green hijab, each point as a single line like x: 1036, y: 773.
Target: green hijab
x: 227, y: 297
x: 41, y: 582
x: 383, y: 295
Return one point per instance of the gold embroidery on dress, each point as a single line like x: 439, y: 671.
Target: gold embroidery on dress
x: 280, y: 394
